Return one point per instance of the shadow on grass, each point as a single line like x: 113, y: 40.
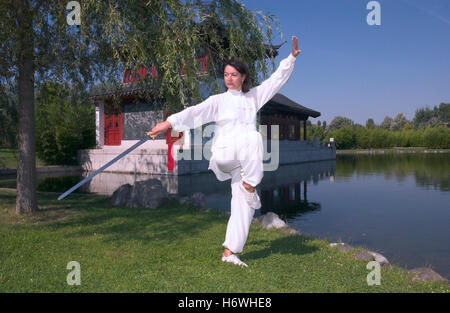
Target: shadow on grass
x: 295, y: 245
x: 119, y: 224
x: 8, y: 199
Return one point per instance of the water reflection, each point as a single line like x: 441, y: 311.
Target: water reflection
x: 283, y: 191
x: 428, y: 169
x: 288, y: 201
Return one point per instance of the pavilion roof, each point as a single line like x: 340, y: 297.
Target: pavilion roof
x: 281, y: 103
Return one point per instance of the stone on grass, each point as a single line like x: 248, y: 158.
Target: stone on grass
x: 148, y: 194
x: 121, y: 196
x: 289, y: 230
x: 271, y: 220
x: 364, y: 256
x: 144, y: 194
x: 197, y: 199
x: 380, y: 259
x: 426, y: 274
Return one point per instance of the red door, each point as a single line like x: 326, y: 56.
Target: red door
x: 113, y: 129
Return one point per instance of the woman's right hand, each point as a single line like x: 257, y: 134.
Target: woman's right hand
x: 295, y: 50
x: 160, y: 128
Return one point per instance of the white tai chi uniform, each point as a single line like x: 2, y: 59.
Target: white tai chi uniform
x: 237, y: 148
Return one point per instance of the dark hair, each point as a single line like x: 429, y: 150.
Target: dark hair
x: 242, y: 68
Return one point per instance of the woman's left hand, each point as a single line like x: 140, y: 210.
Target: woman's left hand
x: 295, y: 50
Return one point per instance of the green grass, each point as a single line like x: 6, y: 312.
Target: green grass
x: 393, y: 150
x: 8, y: 159
x: 171, y: 249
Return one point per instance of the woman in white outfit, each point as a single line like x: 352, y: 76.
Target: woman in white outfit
x: 237, y: 148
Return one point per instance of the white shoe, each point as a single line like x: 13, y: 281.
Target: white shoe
x: 252, y: 198
x: 233, y: 259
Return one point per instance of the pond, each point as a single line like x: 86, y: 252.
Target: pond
x: 394, y: 204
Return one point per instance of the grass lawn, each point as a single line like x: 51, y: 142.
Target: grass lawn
x: 8, y: 159
x: 394, y: 150
x: 171, y: 249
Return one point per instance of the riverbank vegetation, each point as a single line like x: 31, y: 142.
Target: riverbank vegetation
x: 430, y: 128
x: 171, y: 249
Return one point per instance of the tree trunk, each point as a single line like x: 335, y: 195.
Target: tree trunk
x: 26, y: 165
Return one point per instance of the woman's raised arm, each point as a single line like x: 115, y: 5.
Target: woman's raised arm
x: 264, y: 92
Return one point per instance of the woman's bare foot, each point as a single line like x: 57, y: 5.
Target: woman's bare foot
x: 227, y: 252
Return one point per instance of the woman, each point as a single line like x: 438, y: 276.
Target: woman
x: 237, y: 148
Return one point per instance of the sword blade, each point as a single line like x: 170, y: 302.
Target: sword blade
x: 140, y: 142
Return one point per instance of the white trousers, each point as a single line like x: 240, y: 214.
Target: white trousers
x: 243, y: 160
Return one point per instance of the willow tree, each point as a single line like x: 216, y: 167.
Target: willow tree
x: 53, y: 40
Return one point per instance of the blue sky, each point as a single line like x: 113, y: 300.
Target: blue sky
x: 351, y: 69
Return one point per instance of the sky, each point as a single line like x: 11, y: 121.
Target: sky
x: 350, y: 68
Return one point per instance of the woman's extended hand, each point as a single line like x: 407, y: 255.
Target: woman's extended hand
x: 159, y: 129
x: 295, y: 50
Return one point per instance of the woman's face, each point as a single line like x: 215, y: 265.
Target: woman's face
x: 233, y: 79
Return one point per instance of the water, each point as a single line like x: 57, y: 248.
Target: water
x: 394, y: 204
x: 397, y: 205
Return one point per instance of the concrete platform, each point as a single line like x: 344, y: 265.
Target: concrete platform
x: 151, y: 157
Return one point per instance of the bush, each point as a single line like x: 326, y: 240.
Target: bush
x: 63, y: 126
x: 437, y: 137
x: 344, y: 138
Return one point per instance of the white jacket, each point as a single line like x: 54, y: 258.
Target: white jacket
x: 233, y: 111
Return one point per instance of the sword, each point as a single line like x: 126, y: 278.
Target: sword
x: 140, y: 142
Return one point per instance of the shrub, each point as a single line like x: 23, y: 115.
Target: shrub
x: 437, y: 137
x: 344, y: 138
x: 63, y: 126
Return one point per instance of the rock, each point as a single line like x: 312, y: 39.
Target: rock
x: 197, y: 199
x: 380, y: 258
x: 364, y: 256
x: 289, y: 230
x: 426, y: 274
x: 271, y: 220
x: 152, y: 194
x: 144, y: 194
x: 183, y: 200
x: 148, y: 194
x: 122, y: 195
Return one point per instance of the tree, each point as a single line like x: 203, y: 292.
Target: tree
x: 421, y: 117
x: 370, y: 123
x: 444, y: 113
x: 63, y: 125
x: 8, y: 116
x: 38, y: 44
x: 344, y: 137
x: 386, y: 123
x: 339, y: 122
x: 399, y: 122
x: 439, y: 115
